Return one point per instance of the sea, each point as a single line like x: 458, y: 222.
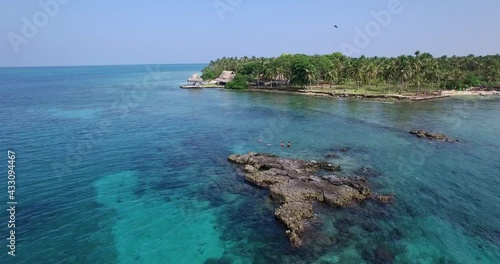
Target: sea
x: 117, y: 164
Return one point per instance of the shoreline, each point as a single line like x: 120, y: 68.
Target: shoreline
x: 368, y: 96
x: 381, y: 97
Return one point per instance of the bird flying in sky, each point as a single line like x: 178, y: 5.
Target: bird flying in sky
x: 336, y: 26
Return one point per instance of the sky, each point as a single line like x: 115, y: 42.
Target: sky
x: 114, y: 32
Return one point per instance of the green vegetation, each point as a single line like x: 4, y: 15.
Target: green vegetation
x: 418, y: 73
x: 209, y: 73
x: 239, y: 82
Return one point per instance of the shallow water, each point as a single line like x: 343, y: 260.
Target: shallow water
x: 116, y: 164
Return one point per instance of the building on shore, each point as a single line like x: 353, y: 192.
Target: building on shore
x: 195, y: 80
x: 280, y: 81
x: 496, y: 87
x: 225, y: 77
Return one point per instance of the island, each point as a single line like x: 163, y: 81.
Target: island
x: 416, y: 77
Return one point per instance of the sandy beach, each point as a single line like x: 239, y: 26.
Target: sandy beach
x: 457, y: 93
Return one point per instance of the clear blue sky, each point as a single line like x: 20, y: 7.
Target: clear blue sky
x: 94, y: 32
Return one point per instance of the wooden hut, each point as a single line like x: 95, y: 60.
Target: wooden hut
x: 195, y: 80
x: 225, y: 77
x: 280, y: 81
x: 496, y: 87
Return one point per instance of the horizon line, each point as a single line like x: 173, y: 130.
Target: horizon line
x: 192, y: 63
x: 93, y: 65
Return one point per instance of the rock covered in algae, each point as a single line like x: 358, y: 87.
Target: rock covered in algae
x: 431, y: 136
x: 294, y: 185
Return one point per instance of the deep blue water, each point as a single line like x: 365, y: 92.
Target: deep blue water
x: 116, y: 164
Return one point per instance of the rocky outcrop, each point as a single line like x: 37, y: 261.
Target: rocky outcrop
x: 295, y: 186
x: 431, y: 136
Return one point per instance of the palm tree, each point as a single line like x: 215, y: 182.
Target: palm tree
x: 310, y: 75
x: 402, y: 70
x: 372, y: 71
x: 356, y: 71
x: 270, y: 73
x: 417, y: 71
x: 331, y: 75
x: 280, y: 73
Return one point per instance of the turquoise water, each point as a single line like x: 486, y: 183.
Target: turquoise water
x: 116, y: 164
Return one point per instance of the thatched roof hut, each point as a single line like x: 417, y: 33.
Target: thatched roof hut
x: 281, y: 77
x: 225, y: 77
x: 280, y: 80
x: 195, y: 79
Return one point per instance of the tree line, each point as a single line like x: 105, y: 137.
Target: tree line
x: 419, y: 72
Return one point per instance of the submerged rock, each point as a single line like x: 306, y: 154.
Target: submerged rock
x: 367, y: 172
x: 388, y: 198
x: 383, y: 255
x: 431, y: 136
x: 294, y: 185
x: 331, y: 156
x: 340, y: 149
x: 344, y: 149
